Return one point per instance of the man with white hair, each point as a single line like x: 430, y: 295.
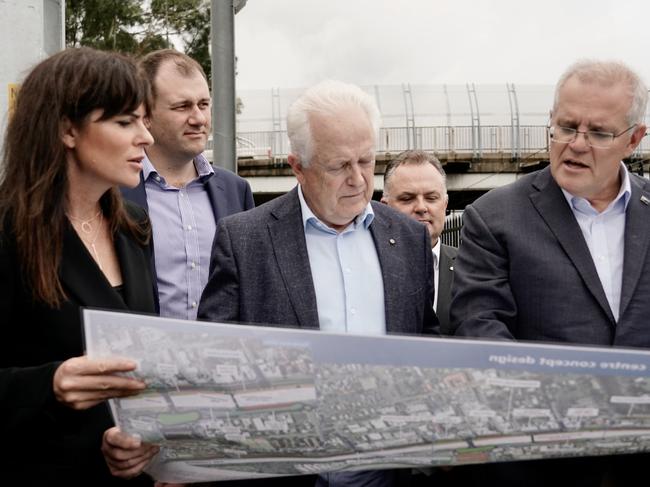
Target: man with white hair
x: 561, y: 255
x: 324, y: 256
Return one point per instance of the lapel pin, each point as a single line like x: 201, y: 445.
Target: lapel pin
x: 451, y: 268
x: 645, y: 201
x: 392, y: 240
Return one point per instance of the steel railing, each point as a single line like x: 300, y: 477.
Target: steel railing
x: 493, y: 139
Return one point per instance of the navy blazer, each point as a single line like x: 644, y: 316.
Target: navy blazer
x: 260, y: 272
x: 228, y: 194
x: 49, y: 443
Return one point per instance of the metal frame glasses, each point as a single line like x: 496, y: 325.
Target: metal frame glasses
x: 593, y: 138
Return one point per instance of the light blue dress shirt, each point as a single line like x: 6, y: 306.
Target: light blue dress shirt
x: 604, y: 233
x: 183, y: 227
x: 346, y: 273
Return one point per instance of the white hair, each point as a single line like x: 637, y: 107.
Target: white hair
x: 608, y: 73
x: 327, y: 98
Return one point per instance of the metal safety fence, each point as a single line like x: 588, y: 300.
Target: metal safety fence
x: 488, y: 139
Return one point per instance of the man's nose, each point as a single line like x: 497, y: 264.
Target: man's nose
x: 197, y: 116
x: 355, y: 176
x: 420, y: 206
x: 580, y: 143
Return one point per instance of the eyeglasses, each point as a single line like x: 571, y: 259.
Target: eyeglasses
x: 593, y: 138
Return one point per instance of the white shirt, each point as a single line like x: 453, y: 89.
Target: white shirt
x: 436, y: 272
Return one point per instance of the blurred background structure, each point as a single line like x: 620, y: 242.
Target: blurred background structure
x: 486, y: 135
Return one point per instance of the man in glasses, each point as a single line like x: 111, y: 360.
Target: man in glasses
x: 562, y: 254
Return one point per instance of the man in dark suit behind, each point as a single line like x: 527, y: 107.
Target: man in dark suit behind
x: 324, y: 256
x: 184, y: 194
x: 415, y: 184
x: 561, y: 255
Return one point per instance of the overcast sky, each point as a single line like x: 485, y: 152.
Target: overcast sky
x: 295, y: 43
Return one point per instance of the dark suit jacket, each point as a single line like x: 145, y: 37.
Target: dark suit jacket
x: 524, y: 271
x: 260, y: 270
x: 446, y: 276
x: 46, y: 443
x: 542, y: 283
x: 228, y: 194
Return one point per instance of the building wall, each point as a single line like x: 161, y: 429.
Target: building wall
x: 30, y: 30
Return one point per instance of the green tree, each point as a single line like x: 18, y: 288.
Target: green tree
x: 132, y: 26
x: 136, y: 27
x: 103, y: 24
x: 188, y: 21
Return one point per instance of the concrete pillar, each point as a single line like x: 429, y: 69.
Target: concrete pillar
x: 30, y: 30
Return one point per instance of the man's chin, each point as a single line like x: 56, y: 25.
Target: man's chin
x: 193, y: 150
x: 355, y: 210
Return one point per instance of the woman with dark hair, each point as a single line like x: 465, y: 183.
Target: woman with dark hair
x: 68, y: 240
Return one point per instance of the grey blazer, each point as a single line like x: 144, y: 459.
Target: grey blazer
x: 260, y: 273
x: 445, y: 279
x: 524, y: 269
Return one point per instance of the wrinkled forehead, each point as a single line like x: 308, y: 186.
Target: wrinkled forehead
x: 348, y: 124
x: 417, y: 178
x: 593, y: 100
x: 580, y: 81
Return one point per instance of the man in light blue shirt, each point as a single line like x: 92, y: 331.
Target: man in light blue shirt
x: 324, y: 256
x: 184, y: 194
x: 561, y: 255
x: 346, y: 274
x: 604, y: 233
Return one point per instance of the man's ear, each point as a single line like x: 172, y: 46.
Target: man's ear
x: 68, y: 133
x: 635, y: 139
x: 296, y: 166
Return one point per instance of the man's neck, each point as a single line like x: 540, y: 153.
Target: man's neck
x: 176, y: 172
x: 334, y: 226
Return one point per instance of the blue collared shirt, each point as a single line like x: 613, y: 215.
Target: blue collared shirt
x: 183, y: 227
x: 347, y: 274
x: 604, y: 233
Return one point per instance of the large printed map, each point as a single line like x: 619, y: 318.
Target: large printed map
x: 234, y: 401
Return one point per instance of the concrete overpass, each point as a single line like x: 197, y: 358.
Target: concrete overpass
x: 475, y: 159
